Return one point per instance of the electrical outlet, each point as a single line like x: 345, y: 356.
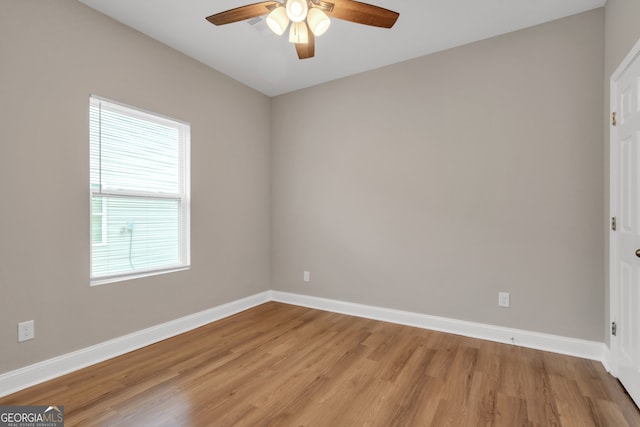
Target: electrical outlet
x: 26, y: 331
x: 504, y: 299
x: 307, y: 277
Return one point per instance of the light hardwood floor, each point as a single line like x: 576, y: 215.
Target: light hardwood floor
x: 283, y: 365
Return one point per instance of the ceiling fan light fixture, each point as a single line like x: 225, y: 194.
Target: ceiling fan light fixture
x: 278, y: 20
x: 318, y: 21
x: 308, y: 18
x: 297, y: 10
x: 298, y: 33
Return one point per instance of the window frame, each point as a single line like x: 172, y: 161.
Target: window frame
x: 103, y: 221
x: 182, y: 196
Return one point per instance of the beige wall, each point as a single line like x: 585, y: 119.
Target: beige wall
x: 432, y: 184
x: 53, y: 54
x: 622, y: 31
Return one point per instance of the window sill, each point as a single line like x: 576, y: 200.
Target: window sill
x: 120, y: 278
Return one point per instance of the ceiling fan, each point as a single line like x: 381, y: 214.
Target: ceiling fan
x: 309, y: 18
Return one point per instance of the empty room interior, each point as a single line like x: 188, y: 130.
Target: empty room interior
x: 430, y: 240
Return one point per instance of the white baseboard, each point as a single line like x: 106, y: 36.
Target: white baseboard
x: 28, y: 376
x: 607, y: 361
x: 554, y: 343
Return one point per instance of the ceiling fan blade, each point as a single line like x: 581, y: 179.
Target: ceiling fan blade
x: 307, y: 50
x: 363, y: 13
x: 243, y: 12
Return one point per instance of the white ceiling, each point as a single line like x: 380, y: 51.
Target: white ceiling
x: 258, y: 58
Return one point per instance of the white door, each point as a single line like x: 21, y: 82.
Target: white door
x: 625, y: 241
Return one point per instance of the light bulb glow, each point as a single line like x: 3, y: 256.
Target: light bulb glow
x: 277, y: 20
x: 297, y: 10
x: 318, y: 21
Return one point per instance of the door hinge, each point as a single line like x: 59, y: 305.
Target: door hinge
x: 614, y: 328
x: 613, y: 119
x: 613, y: 223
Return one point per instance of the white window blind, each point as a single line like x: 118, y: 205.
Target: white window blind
x: 139, y: 192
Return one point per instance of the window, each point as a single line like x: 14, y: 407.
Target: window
x: 139, y: 182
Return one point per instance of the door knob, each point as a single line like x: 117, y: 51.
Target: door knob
x: 638, y: 253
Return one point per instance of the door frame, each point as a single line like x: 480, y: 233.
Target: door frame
x: 634, y: 54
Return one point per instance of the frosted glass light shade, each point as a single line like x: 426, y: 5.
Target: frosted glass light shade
x: 318, y: 21
x: 298, y: 33
x: 297, y: 10
x: 278, y: 20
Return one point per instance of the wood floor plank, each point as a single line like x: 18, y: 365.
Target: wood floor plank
x: 511, y: 411
x: 284, y: 365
